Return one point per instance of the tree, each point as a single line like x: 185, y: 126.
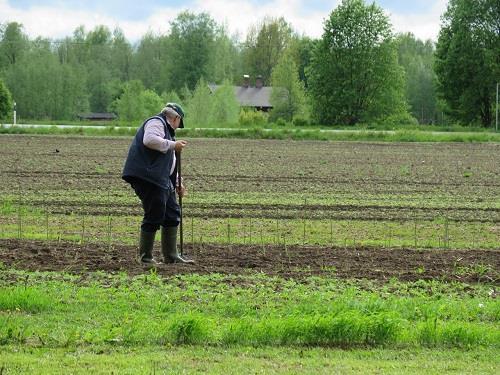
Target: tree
x: 468, y: 59
x: 224, y: 59
x: 171, y: 97
x: 99, y: 68
x: 45, y: 88
x: 148, y: 61
x: 199, y: 106
x: 121, y: 55
x: 225, y: 109
x: 264, y: 45
x: 190, y: 46
x: 354, y: 74
x: 151, y: 103
x: 417, y: 59
x: 287, y: 96
x: 13, y: 44
x: 301, y: 49
x: 5, y: 101
x: 136, y: 103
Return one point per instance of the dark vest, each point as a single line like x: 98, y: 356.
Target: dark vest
x: 147, y: 164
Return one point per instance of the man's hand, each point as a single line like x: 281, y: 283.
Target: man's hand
x: 181, y: 190
x: 179, y: 145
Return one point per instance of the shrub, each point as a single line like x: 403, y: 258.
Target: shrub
x: 400, y: 119
x: 300, y: 121
x: 281, y: 122
x: 251, y: 117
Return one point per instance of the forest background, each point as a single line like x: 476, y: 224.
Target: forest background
x: 359, y: 71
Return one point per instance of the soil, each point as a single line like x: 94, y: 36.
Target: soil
x: 362, y: 180
x: 291, y: 262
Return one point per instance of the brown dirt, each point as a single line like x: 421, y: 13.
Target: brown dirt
x: 292, y: 262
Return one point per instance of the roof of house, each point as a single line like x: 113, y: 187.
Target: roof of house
x: 97, y: 116
x: 250, y: 96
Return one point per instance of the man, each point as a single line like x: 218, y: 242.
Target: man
x: 151, y: 170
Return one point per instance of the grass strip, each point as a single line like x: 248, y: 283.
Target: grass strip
x: 238, y: 360
x: 103, y: 309
x: 399, y: 135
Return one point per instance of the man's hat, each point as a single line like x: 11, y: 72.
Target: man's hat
x: 177, y: 108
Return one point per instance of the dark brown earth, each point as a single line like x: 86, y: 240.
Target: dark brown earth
x: 292, y: 262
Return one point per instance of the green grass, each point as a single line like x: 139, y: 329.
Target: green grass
x: 101, y: 323
x: 54, y: 311
x: 241, y: 360
x: 371, y: 126
x: 361, y: 134
x: 26, y: 299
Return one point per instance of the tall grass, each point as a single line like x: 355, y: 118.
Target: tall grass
x: 193, y: 310
x: 348, y: 329
x: 26, y: 299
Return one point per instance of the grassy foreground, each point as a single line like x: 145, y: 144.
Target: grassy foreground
x: 53, y: 322
x: 244, y: 360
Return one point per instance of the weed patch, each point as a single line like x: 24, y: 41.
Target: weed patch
x: 26, y: 299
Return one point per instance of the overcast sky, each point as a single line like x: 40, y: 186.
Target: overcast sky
x: 59, y: 18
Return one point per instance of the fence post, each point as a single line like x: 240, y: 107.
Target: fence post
x: 19, y: 214
x: 262, y: 240
x: 244, y: 231
x: 250, y: 231
x: 446, y: 234
x: 415, y: 231
x: 83, y: 229
x: 192, y: 232
x: 331, y: 232
x: 109, y: 231
x: 277, y: 233
x: 47, y: 222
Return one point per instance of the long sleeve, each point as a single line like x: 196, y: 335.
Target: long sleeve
x: 154, y: 137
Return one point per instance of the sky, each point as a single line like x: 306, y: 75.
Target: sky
x: 57, y: 18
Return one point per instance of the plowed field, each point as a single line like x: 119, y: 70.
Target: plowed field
x: 289, y: 208
x: 294, y: 262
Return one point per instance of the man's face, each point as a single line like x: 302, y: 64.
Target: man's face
x: 176, y: 122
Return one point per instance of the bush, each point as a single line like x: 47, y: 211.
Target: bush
x: 300, y: 121
x: 400, y: 119
x: 281, y: 122
x: 251, y: 117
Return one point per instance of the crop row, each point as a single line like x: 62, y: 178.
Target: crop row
x: 438, y: 233
x: 391, y: 188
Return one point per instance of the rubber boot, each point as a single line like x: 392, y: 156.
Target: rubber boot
x: 146, y: 242
x: 169, y: 246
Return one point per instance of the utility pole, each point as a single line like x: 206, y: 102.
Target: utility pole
x: 15, y: 114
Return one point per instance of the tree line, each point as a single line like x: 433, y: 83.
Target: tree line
x: 359, y: 71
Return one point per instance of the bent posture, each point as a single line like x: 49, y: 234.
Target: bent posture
x: 151, y: 170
